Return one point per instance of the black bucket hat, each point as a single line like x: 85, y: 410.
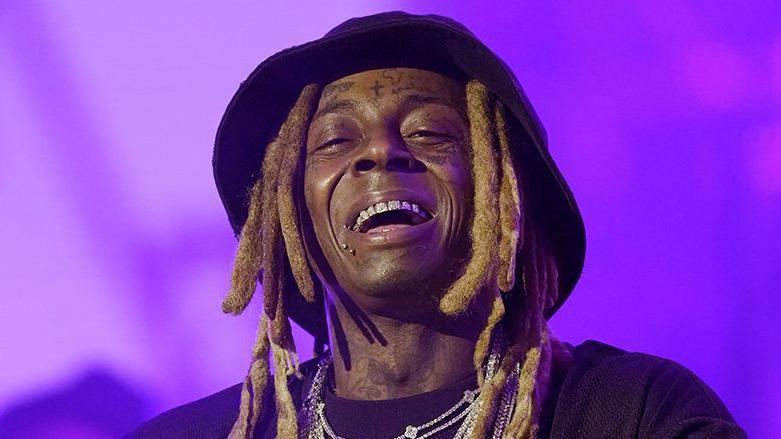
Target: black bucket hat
x: 390, y: 39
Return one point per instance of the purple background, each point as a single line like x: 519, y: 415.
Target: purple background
x: 664, y: 115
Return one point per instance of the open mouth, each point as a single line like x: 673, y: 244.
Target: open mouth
x: 390, y: 215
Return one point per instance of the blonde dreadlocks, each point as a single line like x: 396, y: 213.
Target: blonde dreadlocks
x: 271, y: 235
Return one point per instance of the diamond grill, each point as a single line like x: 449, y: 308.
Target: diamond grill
x: 387, y: 206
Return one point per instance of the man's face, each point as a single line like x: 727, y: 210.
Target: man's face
x: 388, y: 176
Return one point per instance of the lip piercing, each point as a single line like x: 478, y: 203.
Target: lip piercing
x: 346, y: 247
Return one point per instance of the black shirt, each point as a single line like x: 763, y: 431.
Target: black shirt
x: 603, y: 392
x: 389, y: 418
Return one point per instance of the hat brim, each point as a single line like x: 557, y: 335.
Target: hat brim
x: 435, y: 43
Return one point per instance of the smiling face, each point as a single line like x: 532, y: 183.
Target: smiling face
x: 388, y: 177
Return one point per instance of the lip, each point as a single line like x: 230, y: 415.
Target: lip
x: 370, y: 198
x: 395, y: 236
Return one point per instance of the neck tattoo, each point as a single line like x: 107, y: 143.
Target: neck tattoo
x: 316, y: 426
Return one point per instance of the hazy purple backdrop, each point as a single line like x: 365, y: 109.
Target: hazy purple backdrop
x: 664, y: 115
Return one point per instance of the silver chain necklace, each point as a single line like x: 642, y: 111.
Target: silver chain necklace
x: 316, y: 424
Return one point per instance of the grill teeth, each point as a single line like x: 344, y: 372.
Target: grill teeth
x: 385, y: 206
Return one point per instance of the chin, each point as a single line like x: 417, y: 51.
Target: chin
x: 409, y: 276
x: 387, y: 280
x: 389, y: 284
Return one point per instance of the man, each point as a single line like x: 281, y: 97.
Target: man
x: 391, y: 186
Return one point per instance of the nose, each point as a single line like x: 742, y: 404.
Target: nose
x: 390, y: 154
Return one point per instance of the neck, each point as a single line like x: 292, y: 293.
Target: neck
x: 378, y: 357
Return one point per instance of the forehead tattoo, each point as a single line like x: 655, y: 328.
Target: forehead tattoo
x: 377, y: 87
x: 400, y: 84
x: 336, y: 87
x: 395, y: 82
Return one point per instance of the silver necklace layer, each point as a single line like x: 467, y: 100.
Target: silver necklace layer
x: 315, y: 424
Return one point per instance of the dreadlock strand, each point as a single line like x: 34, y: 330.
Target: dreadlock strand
x: 553, y: 280
x: 272, y: 260
x: 287, y: 422
x: 241, y: 428
x: 283, y: 351
x: 533, y: 270
x: 259, y: 375
x: 288, y: 216
x: 509, y: 206
x: 254, y: 385
x: 523, y: 422
x: 491, y: 394
x: 540, y: 298
x: 280, y: 331
x: 483, y: 237
x: 483, y: 344
x: 272, y: 244
x: 248, y: 258
x: 540, y: 378
x: 544, y: 371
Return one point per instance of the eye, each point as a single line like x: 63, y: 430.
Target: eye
x: 430, y: 138
x: 424, y: 133
x: 332, y: 142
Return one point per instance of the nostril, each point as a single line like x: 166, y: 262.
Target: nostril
x: 399, y: 164
x: 406, y: 164
x: 364, y: 165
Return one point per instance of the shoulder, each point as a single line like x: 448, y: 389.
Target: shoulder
x: 593, y: 360
x: 635, y: 394
x: 214, y: 415
x: 209, y: 417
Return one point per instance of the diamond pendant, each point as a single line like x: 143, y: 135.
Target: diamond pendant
x: 411, y: 432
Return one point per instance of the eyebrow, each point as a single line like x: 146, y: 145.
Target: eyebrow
x: 415, y: 101
x: 348, y: 106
